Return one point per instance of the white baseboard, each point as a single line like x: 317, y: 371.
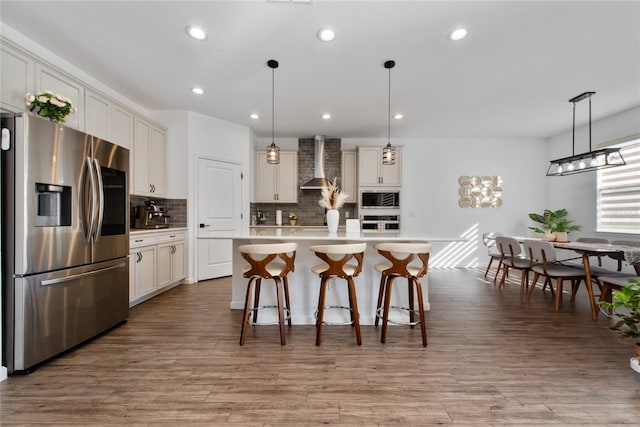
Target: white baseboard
x: 3, y: 373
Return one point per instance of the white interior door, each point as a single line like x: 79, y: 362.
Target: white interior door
x: 219, y: 214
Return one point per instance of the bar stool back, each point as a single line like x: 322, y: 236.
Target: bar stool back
x: 268, y: 261
x: 336, y: 258
x: 400, y: 257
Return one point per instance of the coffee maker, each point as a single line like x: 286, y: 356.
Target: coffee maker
x: 151, y: 216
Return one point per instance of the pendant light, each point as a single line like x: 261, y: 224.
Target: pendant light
x: 389, y: 152
x: 589, y: 161
x: 273, y: 151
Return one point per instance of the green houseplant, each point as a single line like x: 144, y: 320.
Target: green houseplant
x: 625, y: 308
x: 555, y: 224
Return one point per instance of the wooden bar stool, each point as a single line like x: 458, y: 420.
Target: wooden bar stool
x: 401, y: 255
x: 268, y: 261
x: 336, y: 259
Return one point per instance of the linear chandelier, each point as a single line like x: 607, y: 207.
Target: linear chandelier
x: 589, y: 161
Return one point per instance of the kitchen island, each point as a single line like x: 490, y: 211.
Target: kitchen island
x: 304, y: 285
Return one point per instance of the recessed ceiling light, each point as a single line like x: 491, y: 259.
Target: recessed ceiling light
x: 196, y: 32
x: 254, y: 116
x: 197, y: 90
x: 326, y: 34
x: 398, y: 116
x: 326, y: 116
x: 458, y: 34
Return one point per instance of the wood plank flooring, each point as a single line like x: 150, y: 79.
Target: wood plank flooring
x: 492, y: 359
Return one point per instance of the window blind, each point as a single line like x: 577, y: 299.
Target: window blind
x: 619, y: 193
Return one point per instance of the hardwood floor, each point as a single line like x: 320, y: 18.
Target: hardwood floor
x: 492, y: 359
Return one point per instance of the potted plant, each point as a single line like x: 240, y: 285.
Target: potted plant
x: 625, y: 308
x: 293, y: 218
x: 555, y: 224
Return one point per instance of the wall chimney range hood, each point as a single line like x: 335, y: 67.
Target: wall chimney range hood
x: 319, y: 181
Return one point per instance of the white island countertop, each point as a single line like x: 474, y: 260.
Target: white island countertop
x: 320, y: 233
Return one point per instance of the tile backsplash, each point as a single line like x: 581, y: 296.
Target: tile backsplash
x: 175, y: 208
x: 308, y: 210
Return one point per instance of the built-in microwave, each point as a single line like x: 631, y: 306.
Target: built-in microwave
x: 380, y: 200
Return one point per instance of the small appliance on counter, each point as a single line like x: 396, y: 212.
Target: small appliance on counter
x: 151, y: 216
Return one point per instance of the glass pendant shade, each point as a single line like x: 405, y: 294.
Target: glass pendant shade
x: 273, y: 151
x: 273, y: 154
x: 592, y: 160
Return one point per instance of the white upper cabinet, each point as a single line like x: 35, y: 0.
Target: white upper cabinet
x: 16, y: 70
x: 49, y: 79
x: 149, y: 154
x: 349, y: 176
x: 121, y: 126
x: 276, y: 183
x: 371, y: 171
x: 96, y: 117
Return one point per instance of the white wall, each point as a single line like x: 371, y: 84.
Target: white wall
x: 429, y: 198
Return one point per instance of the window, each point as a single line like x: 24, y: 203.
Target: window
x: 619, y: 193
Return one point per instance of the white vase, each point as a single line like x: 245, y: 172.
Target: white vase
x: 549, y: 236
x: 333, y: 217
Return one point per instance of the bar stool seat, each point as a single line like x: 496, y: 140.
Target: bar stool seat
x: 398, y: 263
x: 338, y: 263
x: 267, y: 261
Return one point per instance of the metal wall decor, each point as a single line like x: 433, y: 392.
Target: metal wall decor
x: 480, y: 191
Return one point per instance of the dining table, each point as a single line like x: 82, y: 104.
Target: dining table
x: 587, y: 250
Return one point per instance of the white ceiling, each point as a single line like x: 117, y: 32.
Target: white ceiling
x: 511, y: 77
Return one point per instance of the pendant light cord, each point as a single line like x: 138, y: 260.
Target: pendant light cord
x: 273, y: 104
x: 389, y: 111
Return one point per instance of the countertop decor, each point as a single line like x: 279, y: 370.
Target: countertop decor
x: 47, y: 104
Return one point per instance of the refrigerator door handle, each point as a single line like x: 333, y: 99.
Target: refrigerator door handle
x: 88, y: 201
x: 80, y: 275
x: 98, y: 230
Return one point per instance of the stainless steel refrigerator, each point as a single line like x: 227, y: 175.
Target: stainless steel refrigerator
x: 65, y: 238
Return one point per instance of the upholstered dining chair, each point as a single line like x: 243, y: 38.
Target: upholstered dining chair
x: 543, y: 255
x: 511, y: 257
x: 489, y: 240
x: 593, y: 240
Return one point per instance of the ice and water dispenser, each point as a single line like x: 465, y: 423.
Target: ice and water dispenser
x: 53, y: 205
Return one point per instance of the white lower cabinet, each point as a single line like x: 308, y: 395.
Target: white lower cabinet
x: 170, y: 258
x: 157, y: 263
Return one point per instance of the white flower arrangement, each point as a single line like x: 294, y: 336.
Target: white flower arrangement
x: 332, y: 197
x: 54, y: 106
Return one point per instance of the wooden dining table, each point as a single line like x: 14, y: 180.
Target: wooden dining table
x: 588, y: 250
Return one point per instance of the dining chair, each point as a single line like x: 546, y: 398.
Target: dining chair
x: 611, y: 283
x: 511, y: 257
x: 543, y: 255
x: 489, y: 240
x: 593, y: 240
